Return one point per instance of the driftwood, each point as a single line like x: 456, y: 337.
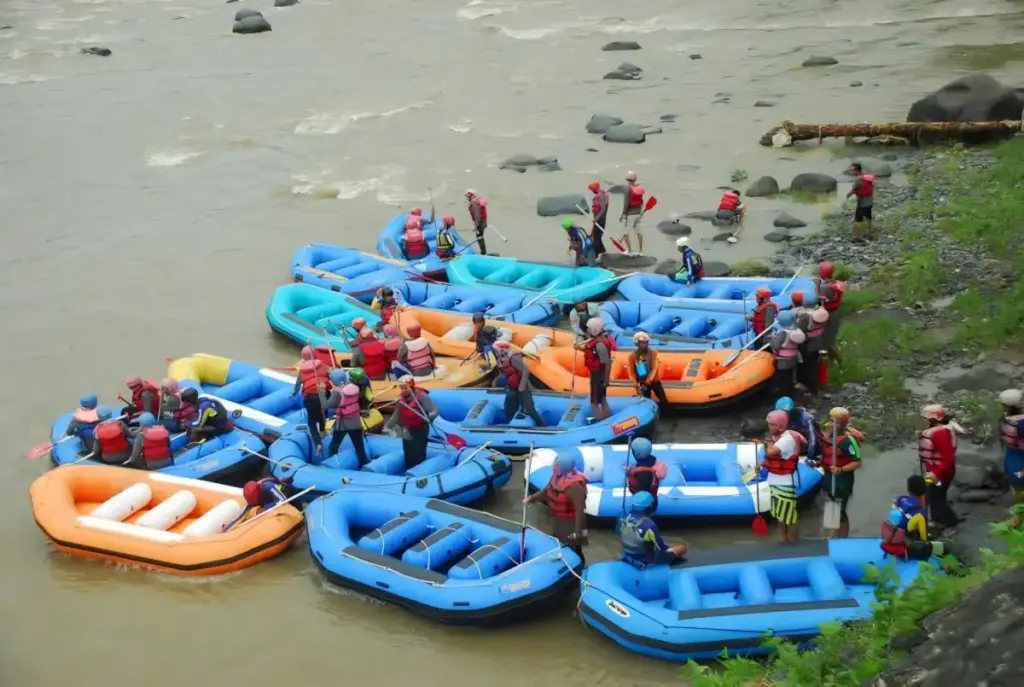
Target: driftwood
x: 899, y: 133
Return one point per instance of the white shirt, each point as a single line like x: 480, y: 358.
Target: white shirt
x: 789, y: 448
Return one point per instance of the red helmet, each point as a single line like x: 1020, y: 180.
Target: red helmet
x: 594, y: 186
x: 366, y: 333
x: 797, y: 298
x: 825, y: 270
x: 470, y: 193
x: 358, y: 324
x: 415, y: 330
x: 763, y: 292
x: 449, y: 221
x: 416, y: 211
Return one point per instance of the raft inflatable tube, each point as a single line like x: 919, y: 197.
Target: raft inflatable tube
x: 450, y: 333
x: 305, y: 314
x: 438, y: 560
x: 459, y: 476
x: 157, y: 521
x: 724, y: 294
x: 505, y: 306
x: 478, y: 417
x: 567, y: 285
x: 346, y: 270
x: 390, y: 244
x: 702, y: 481
x: 726, y: 600
x: 228, y: 458
x: 674, y: 327
x: 692, y: 381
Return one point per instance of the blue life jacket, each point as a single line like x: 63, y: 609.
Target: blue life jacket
x: 219, y: 421
x: 635, y: 550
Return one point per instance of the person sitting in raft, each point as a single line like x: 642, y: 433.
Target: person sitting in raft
x: 414, y: 241
x: 730, y: 208
x: 260, y: 496
x: 385, y: 303
x: 518, y: 391
x: 370, y: 354
x: 415, y: 355
x: 446, y: 239
x: 483, y: 334
x: 782, y: 456
x: 145, y: 397
x: 352, y: 404
x: 785, y: 345
x: 566, y: 498
x: 578, y: 317
x: 597, y: 358
x: 83, y: 422
x: 416, y: 410
x: 801, y: 421
x: 113, y: 445
x: 644, y: 371
x: 1011, y: 435
x: 152, y: 447
x: 648, y: 471
x: 642, y: 545
x: 174, y: 412
x: 692, y: 269
x: 211, y: 419
x: 905, y: 530
x: 580, y: 243
x: 840, y: 460
x: 488, y: 354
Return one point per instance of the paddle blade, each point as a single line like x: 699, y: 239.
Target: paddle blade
x: 832, y: 517
x: 651, y: 202
x: 622, y: 249
x: 456, y: 442
x: 749, y: 477
x: 39, y: 450
x: 759, y: 526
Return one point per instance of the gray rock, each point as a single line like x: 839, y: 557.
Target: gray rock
x: 706, y: 215
x: 97, y: 50
x: 788, y: 221
x: 811, y: 182
x: 625, y: 72
x: 251, y: 25
x: 976, y: 495
x: 713, y: 268
x: 696, y: 56
x: 622, y: 261
x: 673, y: 227
x: 872, y: 165
x: 754, y: 427
x: 626, y: 133
x: 764, y: 103
x: 245, y: 12
x: 667, y: 267
x: 971, y: 98
x: 668, y: 117
x: 777, y: 236
x: 520, y: 163
x: 549, y: 167
x: 569, y: 204
x: 285, y: 3
x: 819, y: 61
x: 599, y: 123
x: 763, y: 186
x: 975, y: 379
x: 620, y: 45
x: 856, y: 84
x: 617, y: 188
x: 724, y: 236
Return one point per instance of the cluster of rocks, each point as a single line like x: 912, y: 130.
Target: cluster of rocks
x: 627, y: 71
x: 615, y: 130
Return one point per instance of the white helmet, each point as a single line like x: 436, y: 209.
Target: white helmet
x: 595, y: 325
x: 682, y: 241
x: 640, y: 336
x: 797, y: 336
x: 933, y: 412
x: 630, y: 175
x: 1011, y: 397
x: 820, y: 315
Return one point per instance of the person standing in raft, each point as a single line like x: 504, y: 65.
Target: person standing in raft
x: 830, y: 295
x: 579, y: 243
x: 786, y: 346
x: 782, y: 457
x: 518, y: 391
x: 416, y: 410
x: 113, y: 445
x: 642, y: 545
x: 370, y: 354
x: 351, y: 404
x: 599, y: 215
x: 414, y: 242
x: 415, y: 355
x: 566, y: 497
x: 145, y: 397
x: 633, y: 207
x: 211, y: 417
x: 648, y: 472
x: 840, y: 460
x: 905, y: 530
x: 692, y: 269
x: 864, y: 189
x: 765, y: 312
x: 644, y: 370
x: 83, y: 422
x: 579, y: 316
x: 477, y: 206
x: 801, y: 421
x: 152, y: 447
x: 313, y: 380
x: 1011, y: 434
x: 730, y: 208
x: 597, y: 358
x: 937, y: 452
x: 814, y: 353
x: 446, y: 239
x: 385, y: 303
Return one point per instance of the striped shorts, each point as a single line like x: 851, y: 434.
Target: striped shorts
x: 784, y: 503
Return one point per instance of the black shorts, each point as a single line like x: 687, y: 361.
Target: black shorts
x: 598, y: 239
x: 861, y: 214
x: 598, y: 390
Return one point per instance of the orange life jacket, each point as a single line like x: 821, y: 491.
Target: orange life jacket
x: 559, y: 504
x: 156, y: 444
x: 759, y: 319
x: 835, y: 455
x: 375, y: 363
x: 313, y: 374
x: 780, y: 465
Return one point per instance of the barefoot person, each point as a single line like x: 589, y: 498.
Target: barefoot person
x: 782, y: 457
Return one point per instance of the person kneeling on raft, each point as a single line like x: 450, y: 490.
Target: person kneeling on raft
x: 644, y: 370
x: 261, y: 495
x: 597, y: 358
x: 353, y: 404
x: 212, y: 419
x: 566, y: 498
x: 642, y: 544
x: 518, y: 391
x: 152, y: 447
x: 905, y: 530
x: 416, y: 410
x: 415, y: 355
x: 113, y: 439
x: 648, y: 472
x: 145, y: 397
x: 83, y: 422
x: 692, y: 269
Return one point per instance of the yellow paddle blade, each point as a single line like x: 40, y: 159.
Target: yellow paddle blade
x: 749, y: 477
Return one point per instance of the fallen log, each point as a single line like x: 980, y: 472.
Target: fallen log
x: 900, y: 133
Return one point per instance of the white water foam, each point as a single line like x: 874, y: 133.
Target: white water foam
x: 330, y: 123
x: 171, y: 158
x: 478, y: 9
x: 463, y: 126
x: 8, y: 79
x: 383, y: 181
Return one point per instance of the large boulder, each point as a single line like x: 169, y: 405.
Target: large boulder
x: 621, y: 45
x: 713, y: 268
x: 285, y: 3
x: 706, y: 215
x: 764, y: 186
x: 788, y: 221
x: 625, y: 72
x: 628, y: 133
x: 600, y: 123
x: 674, y: 227
x: 520, y: 163
x: 251, y: 23
x: 819, y: 61
x: 971, y: 98
x: 812, y: 182
x: 569, y: 204
x: 628, y: 261
x: 870, y: 165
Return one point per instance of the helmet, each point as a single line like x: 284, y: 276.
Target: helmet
x: 478, y: 317
x: 564, y: 463
x: 640, y: 336
x: 895, y: 516
x: 797, y: 297
x: 415, y: 330
x: 407, y: 380
x: 88, y: 401
x: 682, y: 241
x: 778, y: 419
x: 104, y: 414
x: 387, y: 291
x: 170, y: 384
x: 933, y: 412
x: 820, y: 315
x: 359, y: 323
x: 391, y: 330
x: 785, y: 318
x: 337, y: 377
x: 470, y: 193
x: 357, y: 374
x: 132, y: 381
x: 365, y: 333
x: 1011, y: 397
x: 798, y: 336
x: 307, y: 353
x: 190, y: 395
x: 763, y: 292
x: 641, y: 448
x: 785, y: 403
x: 839, y: 413
x: 594, y: 186
x: 595, y: 325
x: 567, y: 224
x: 630, y: 175
x: 641, y: 502
x: 449, y: 221
x: 825, y: 270
x: 147, y: 420
x: 416, y: 211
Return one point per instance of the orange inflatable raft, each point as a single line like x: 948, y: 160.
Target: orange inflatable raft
x: 156, y: 521
x: 451, y: 334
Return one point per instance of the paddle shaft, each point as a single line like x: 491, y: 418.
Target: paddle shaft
x: 625, y: 474
x: 526, y: 494
x: 274, y: 507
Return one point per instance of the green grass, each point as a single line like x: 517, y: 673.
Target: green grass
x: 751, y: 268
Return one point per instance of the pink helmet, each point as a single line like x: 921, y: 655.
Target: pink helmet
x: 170, y: 385
x: 307, y: 353
x: 132, y: 381
x: 778, y: 420
x: 390, y: 330
x: 416, y: 211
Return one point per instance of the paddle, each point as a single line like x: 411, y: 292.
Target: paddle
x: 433, y: 212
x: 269, y: 460
x: 763, y: 348
x: 500, y: 236
x: 272, y: 508
x: 526, y: 494
x: 731, y: 359
x: 453, y: 441
x: 733, y: 239
x: 649, y: 205
x: 40, y: 450
x: 831, y: 518
x: 622, y: 249
x: 625, y: 472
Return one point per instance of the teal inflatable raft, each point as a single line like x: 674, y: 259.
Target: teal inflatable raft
x: 567, y: 285
x: 306, y: 314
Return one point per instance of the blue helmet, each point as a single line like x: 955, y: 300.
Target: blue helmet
x: 104, y: 414
x: 641, y: 448
x: 338, y: 377
x: 895, y: 516
x: 565, y: 463
x: 785, y: 403
x: 785, y: 318
x: 88, y: 401
x: 147, y: 420
x: 642, y: 501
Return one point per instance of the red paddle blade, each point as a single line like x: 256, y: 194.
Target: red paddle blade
x: 39, y: 450
x: 651, y: 202
x: 622, y: 249
x: 760, y: 526
x: 457, y: 442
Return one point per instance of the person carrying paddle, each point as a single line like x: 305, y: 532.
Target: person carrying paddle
x: 692, y: 269
x: 633, y: 207
x: 597, y: 358
x: 644, y: 371
x: 782, y: 458
x: 518, y: 390
x: 145, y: 397
x: 352, y: 403
x: 416, y: 410
x: 599, y: 215
x: 840, y: 459
x: 642, y: 545
x: 477, y: 206
x: 566, y: 498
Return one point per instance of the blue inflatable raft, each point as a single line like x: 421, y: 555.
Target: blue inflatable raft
x: 726, y: 600
x: 496, y: 304
x: 720, y: 293
x: 460, y: 476
x: 228, y: 458
x: 306, y: 314
x: 346, y: 270
x: 442, y: 561
x: 703, y: 480
x: 567, y: 285
x: 390, y: 244
x: 674, y: 327
x: 478, y: 417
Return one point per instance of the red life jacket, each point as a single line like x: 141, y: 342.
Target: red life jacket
x: 410, y: 412
x: 391, y: 348
x: 930, y: 456
x: 375, y: 363
x: 512, y: 375
x: 111, y: 438
x: 253, y: 490
x: 636, y: 198
x: 184, y: 411
x: 420, y: 358
x: 590, y: 357
x: 313, y: 374
x: 1010, y: 431
x: 867, y: 188
x: 789, y: 349
x: 780, y: 465
x: 324, y: 354
x: 758, y: 321
x: 600, y: 201
x: 835, y: 455
x: 156, y: 444
x: 415, y: 244
x: 146, y: 386
x: 895, y: 537
x: 837, y: 293
x: 559, y: 504
x: 478, y: 210
x: 387, y: 311
x: 658, y: 470
x: 730, y: 201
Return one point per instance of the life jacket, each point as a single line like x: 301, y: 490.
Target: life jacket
x: 559, y: 504
x: 895, y: 537
x: 599, y: 205
x: 87, y: 421
x: 642, y: 367
x: 146, y: 386
x: 420, y: 357
x: 512, y: 375
x: 415, y: 244
x: 698, y: 262
x: 590, y: 357
x: 220, y: 418
x: 867, y: 188
x: 730, y: 201
x: 313, y: 374
x: 324, y: 354
x: 636, y: 198
x: 1010, y: 431
x: 410, y: 412
x: 780, y: 465
x: 658, y: 471
x: 789, y: 349
x: 758, y: 321
x: 387, y: 311
x: 816, y: 329
x: 111, y: 439
x: 478, y: 211
x: 184, y: 411
x: 636, y: 549
x: 253, y: 491
x: 835, y: 455
x: 374, y: 358
x: 156, y: 444
x: 445, y: 240
x: 576, y: 234
x: 926, y: 450
x: 838, y: 289
x: 349, y: 406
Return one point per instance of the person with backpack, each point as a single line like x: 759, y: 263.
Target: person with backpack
x: 580, y: 243
x: 905, y: 530
x: 692, y: 269
x: 642, y: 545
x: 597, y: 357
